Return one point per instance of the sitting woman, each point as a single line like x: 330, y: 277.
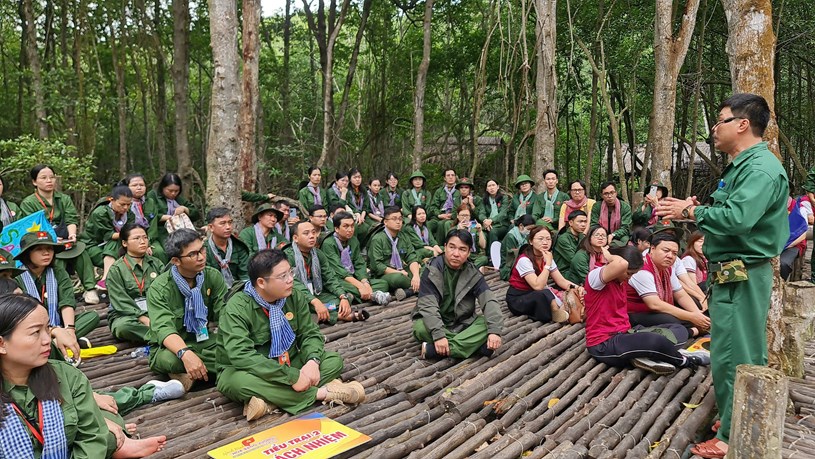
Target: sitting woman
x: 49, y: 409
x: 357, y: 203
x: 128, y: 281
x: 420, y: 235
x: 391, y: 195
x: 101, y: 235
x: 416, y: 195
x: 49, y: 283
x: 529, y: 292
x: 589, y: 255
x: 493, y: 212
x: 263, y: 232
x: 467, y: 222
x: 695, y: 261
x: 337, y: 193
x: 168, y: 203
x: 609, y: 336
x: 374, y: 204
x: 143, y: 210
x: 9, y: 211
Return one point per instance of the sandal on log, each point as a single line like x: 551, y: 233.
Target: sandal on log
x: 708, y: 449
x: 716, y: 426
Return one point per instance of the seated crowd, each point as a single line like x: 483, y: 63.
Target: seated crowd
x: 244, y: 310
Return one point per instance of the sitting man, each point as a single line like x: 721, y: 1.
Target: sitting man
x: 263, y: 232
x: 271, y: 354
x: 289, y: 218
x: 388, y: 254
x: 654, y: 291
x: 568, y: 240
x: 183, y: 305
x: 515, y: 238
x: 613, y: 215
x: 318, y: 216
x: 342, y: 250
x: 444, y: 319
x: 315, y: 279
x: 225, y: 251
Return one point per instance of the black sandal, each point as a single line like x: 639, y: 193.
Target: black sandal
x: 360, y: 316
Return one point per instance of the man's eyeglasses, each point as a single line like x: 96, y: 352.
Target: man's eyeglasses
x: 577, y: 190
x: 196, y: 255
x: 285, y: 277
x: 727, y: 120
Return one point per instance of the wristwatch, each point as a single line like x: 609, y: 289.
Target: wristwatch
x: 686, y: 211
x: 181, y: 352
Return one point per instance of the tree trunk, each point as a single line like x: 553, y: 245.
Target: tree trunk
x: 751, y: 51
x: 30, y: 30
x: 669, y: 54
x: 181, y: 71
x: 421, y: 85
x: 352, y: 67
x: 285, y: 93
x: 121, y: 97
x: 161, y: 90
x: 223, y: 149
x: 481, y: 83
x: 545, y: 87
x: 250, y: 93
x: 759, y: 409
x: 67, y: 88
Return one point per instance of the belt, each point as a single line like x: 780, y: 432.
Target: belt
x: 713, y: 266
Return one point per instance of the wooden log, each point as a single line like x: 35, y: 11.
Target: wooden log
x: 677, y: 441
x: 466, y: 448
x: 451, y: 440
x: 759, y: 408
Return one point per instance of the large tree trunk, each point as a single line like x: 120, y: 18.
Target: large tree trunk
x: 545, y: 86
x: 751, y: 51
x: 669, y: 53
x: 223, y: 149
x: 247, y: 123
x: 121, y: 98
x: 161, y: 89
x: 67, y: 87
x: 352, y: 67
x: 421, y: 85
x: 181, y: 71
x: 30, y: 30
x: 285, y: 95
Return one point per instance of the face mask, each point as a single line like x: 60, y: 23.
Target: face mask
x: 524, y: 233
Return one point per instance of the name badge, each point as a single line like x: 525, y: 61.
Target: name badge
x: 202, y: 334
x: 142, y: 303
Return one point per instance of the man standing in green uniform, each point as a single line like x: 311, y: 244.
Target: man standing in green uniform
x: 613, y: 215
x: 443, y: 204
x: 225, y: 251
x: 568, y: 240
x: 183, y: 305
x: 314, y: 277
x: 524, y: 200
x: 342, y: 250
x: 547, y: 206
x: 389, y: 254
x: 444, y: 319
x: 744, y: 228
x: 263, y: 232
x: 271, y: 354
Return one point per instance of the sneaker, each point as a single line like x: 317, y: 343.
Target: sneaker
x: 256, y: 408
x: 90, y: 297
x: 184, y: 378
x: 560, y: 316
x: 382, y: 298
x: 694, y: 359
x: 428, y: 351
x: 654, y: 366
x: 400, y: 294
x: 166, y: 390
x: 101, y: 286
x: 342, y: 393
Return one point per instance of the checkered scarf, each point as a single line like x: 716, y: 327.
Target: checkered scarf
x: 137, y: 207
x: 16, y: 441
x: 223, y: 262
x: 261, y: 239
x: 117, y: 224
x: 51, y: 292
x: 279, y: 327
x: 5, y: 212
x: 172, y: 205
x: 377, y: 206
x: 195, y: 311
x: 318, y: 200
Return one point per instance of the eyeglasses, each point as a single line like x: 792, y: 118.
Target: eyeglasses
x: 727, y: 120
x: 285, y: 277
x: 196, y: 255
x: 599, y: 236
x: 577, y: 190
x: 542, y: 239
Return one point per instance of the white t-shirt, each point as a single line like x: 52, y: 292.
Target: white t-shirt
x: 525, y: 266
x: 679, y: 268
x: 595, y: 280
x: 689, y: 263
x: 645, y: 284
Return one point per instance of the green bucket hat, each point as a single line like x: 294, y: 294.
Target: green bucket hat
x: 7, y: 263
x: 659, y: 186
x: 265, y: 208
x: 523, y: 178
x: 72, y: 250
x: 464, y: 181
x: 35, y: 238
x: 417, y: 174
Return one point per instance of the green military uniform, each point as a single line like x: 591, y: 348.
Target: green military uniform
x: 386, y: 193
x: 809, y: 187
x: 409, y: 232
x: 238, y: 262
x: 307, y: 199
x: 148, y: 209
x: 357, y: 203
x: 747, y: 221
x: 158, y: 208
x: 248, y: 196
x: 519, y: 203
x: 379, y: 258
x: 61, y: 212
x: 165, y: 308
x: 273, y: 239
x: 14, y: 211
x: 372, y: 208
x: 332, y: 253
x: 128, y: 283
x: 98, y: 234
x: 540, y: 209
x: 509, y: 251
x: 578, y: 269
x: 622, y: 234
x: 446, y: 308
x: 332, y: 287
x: 334, y: 199
x: 436, y: 208
x: 566, y: 246
x: 244, y: 341
x: 497, y: 212
x: 86, y: 432
x: 412, y: 198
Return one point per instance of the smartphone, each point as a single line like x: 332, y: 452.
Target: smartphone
x: 292, y: 213
x: 473, y: 223
x: 653, y: 191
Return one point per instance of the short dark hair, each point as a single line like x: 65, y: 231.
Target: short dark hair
x: 217, y: 212
x: 262, y: 263
x: 607, y: 184
x: 549, y: 171
x: 751, y: 107
x: 640, y: 234
x: 392, y: 210
x: 170, y: 178
x: 580, y: 182
x: 35, y: 171
x: 462, y: 234
x: 129, y: 177
x: 119, y: 191
x: 277, y: 205
x: 314, y: 168
x: 315, y: 208
x: 296, y: 227
x: 178, y: 240
x: 575, y: 214
x: 444, y: 171
x: 339, y: 217
x: 663, y: 236
x: 7, y: 285
x: 630, y: 254
x: 525, y: 220
x: 333, y: 208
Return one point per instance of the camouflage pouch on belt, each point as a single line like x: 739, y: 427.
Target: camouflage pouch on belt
x: 727, y: 272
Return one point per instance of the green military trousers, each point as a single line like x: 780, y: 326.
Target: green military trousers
x: 396, y: 281
x: 128, y: 328
x: 165, y: 362
x: 83, y: 266
x: 738, y: 317
x: 462, y: 344
x: 377, y: 285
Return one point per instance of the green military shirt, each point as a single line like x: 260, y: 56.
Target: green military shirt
x: 332, y: 253
x: 331, y: 283
x: 578, y: 268
x: 99, y: 228
x: 409, y: 232
x: 485, y: 210
x: 248, y: 196
x: 565, y: 247
x: 14, y: 210
x: 748, y: 218
x: 127, y: 281
x: 447, y: 307
x: 412, y: 198
x: 273, y: 239
x: 334, y: 199
x: 238, y: 263
x: 622, y: 234
x: 516, y: 203
x: 509, y: 251
x: 474, y: 212
x: 539, y: 209
x: 244, y: 338
x: 165, y: 306
x: 356, y: 200
x: 385, y: 196
x: 307, y: 199
x: 65, y: 288
x: 60, y: 211
x: 437, y: 203
x: 157, y: 206
x: 379, y: 253
x: 373, y: 208
x: 85, y: 428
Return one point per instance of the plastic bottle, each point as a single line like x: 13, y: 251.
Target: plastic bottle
x: 143, y: 351
x: 331, y: 306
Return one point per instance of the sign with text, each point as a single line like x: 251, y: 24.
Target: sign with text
x: 312, y: 436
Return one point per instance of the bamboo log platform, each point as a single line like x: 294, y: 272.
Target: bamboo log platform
x: 541, y: 395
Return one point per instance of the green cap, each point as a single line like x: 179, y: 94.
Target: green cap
x: 7, y: 263
x: 523, y: 178
x: 464, y: 181
x: 417, y: 174
x: 265, y: 208
x: 35, y: 238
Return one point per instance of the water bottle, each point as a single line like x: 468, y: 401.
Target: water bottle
x: 143, y: 351
x: 331, y: 306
